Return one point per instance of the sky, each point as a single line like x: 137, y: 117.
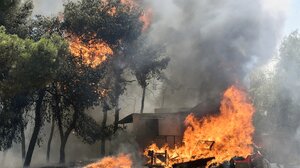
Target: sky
x: 293, y: 17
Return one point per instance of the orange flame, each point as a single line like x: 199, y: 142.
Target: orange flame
x: 146, y: 16
x: 120, y: 161
x: 93, y: 53
x: 146, y: 19
x: 223, y: 136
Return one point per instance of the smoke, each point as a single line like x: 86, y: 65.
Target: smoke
x: 213, y: 44
x: 124, y: 142
x: 47, y: 7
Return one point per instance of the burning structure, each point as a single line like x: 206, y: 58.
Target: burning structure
x: 163, y: 126
x: 223, y: 139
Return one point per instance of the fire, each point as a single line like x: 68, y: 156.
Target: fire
x: 146, y: 18
x: 222, y: 136
x: 120, y: 161
x: 93, y: 53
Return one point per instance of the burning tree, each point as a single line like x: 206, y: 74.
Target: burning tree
x: 74, y: 89
x: 42, y: 74
x: 109, y: 27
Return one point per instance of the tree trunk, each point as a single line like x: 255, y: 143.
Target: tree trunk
x: 23, y: 142
x: 117, y: 114
x: 63, y: 144
x: 67, y: 133
x: 104, y: 120
x: 62, y: 155
x: 50, y: 138
x: 37, y: 127
x: 143, y: 99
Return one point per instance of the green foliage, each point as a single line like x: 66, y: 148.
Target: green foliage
x: 92, y: 19
x: 14, y: 16
x: 26, y: 67
x: 11, y: 120
x: 41, y: 25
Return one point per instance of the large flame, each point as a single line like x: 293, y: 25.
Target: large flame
x: 222, y: 136
x: 120, y: 161
x: 93, y: 53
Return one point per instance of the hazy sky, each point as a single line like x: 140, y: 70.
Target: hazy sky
x: 293, y: 17
x: 50, y: 7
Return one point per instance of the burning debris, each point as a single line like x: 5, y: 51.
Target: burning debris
x: 120, y: 161
x: 222, y: 136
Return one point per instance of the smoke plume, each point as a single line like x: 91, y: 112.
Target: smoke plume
x: 213, y: 44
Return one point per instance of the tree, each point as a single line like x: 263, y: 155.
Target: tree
x: 28, y: 67
x: 39, y: 26
x: 288, y: 69
x: 10, y: 124
x: 14, y: 16
x: 146, y: 63
x: 50, y: 137
x: 113, y: 23
x: 276, y: 100
x: 74, y: 90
